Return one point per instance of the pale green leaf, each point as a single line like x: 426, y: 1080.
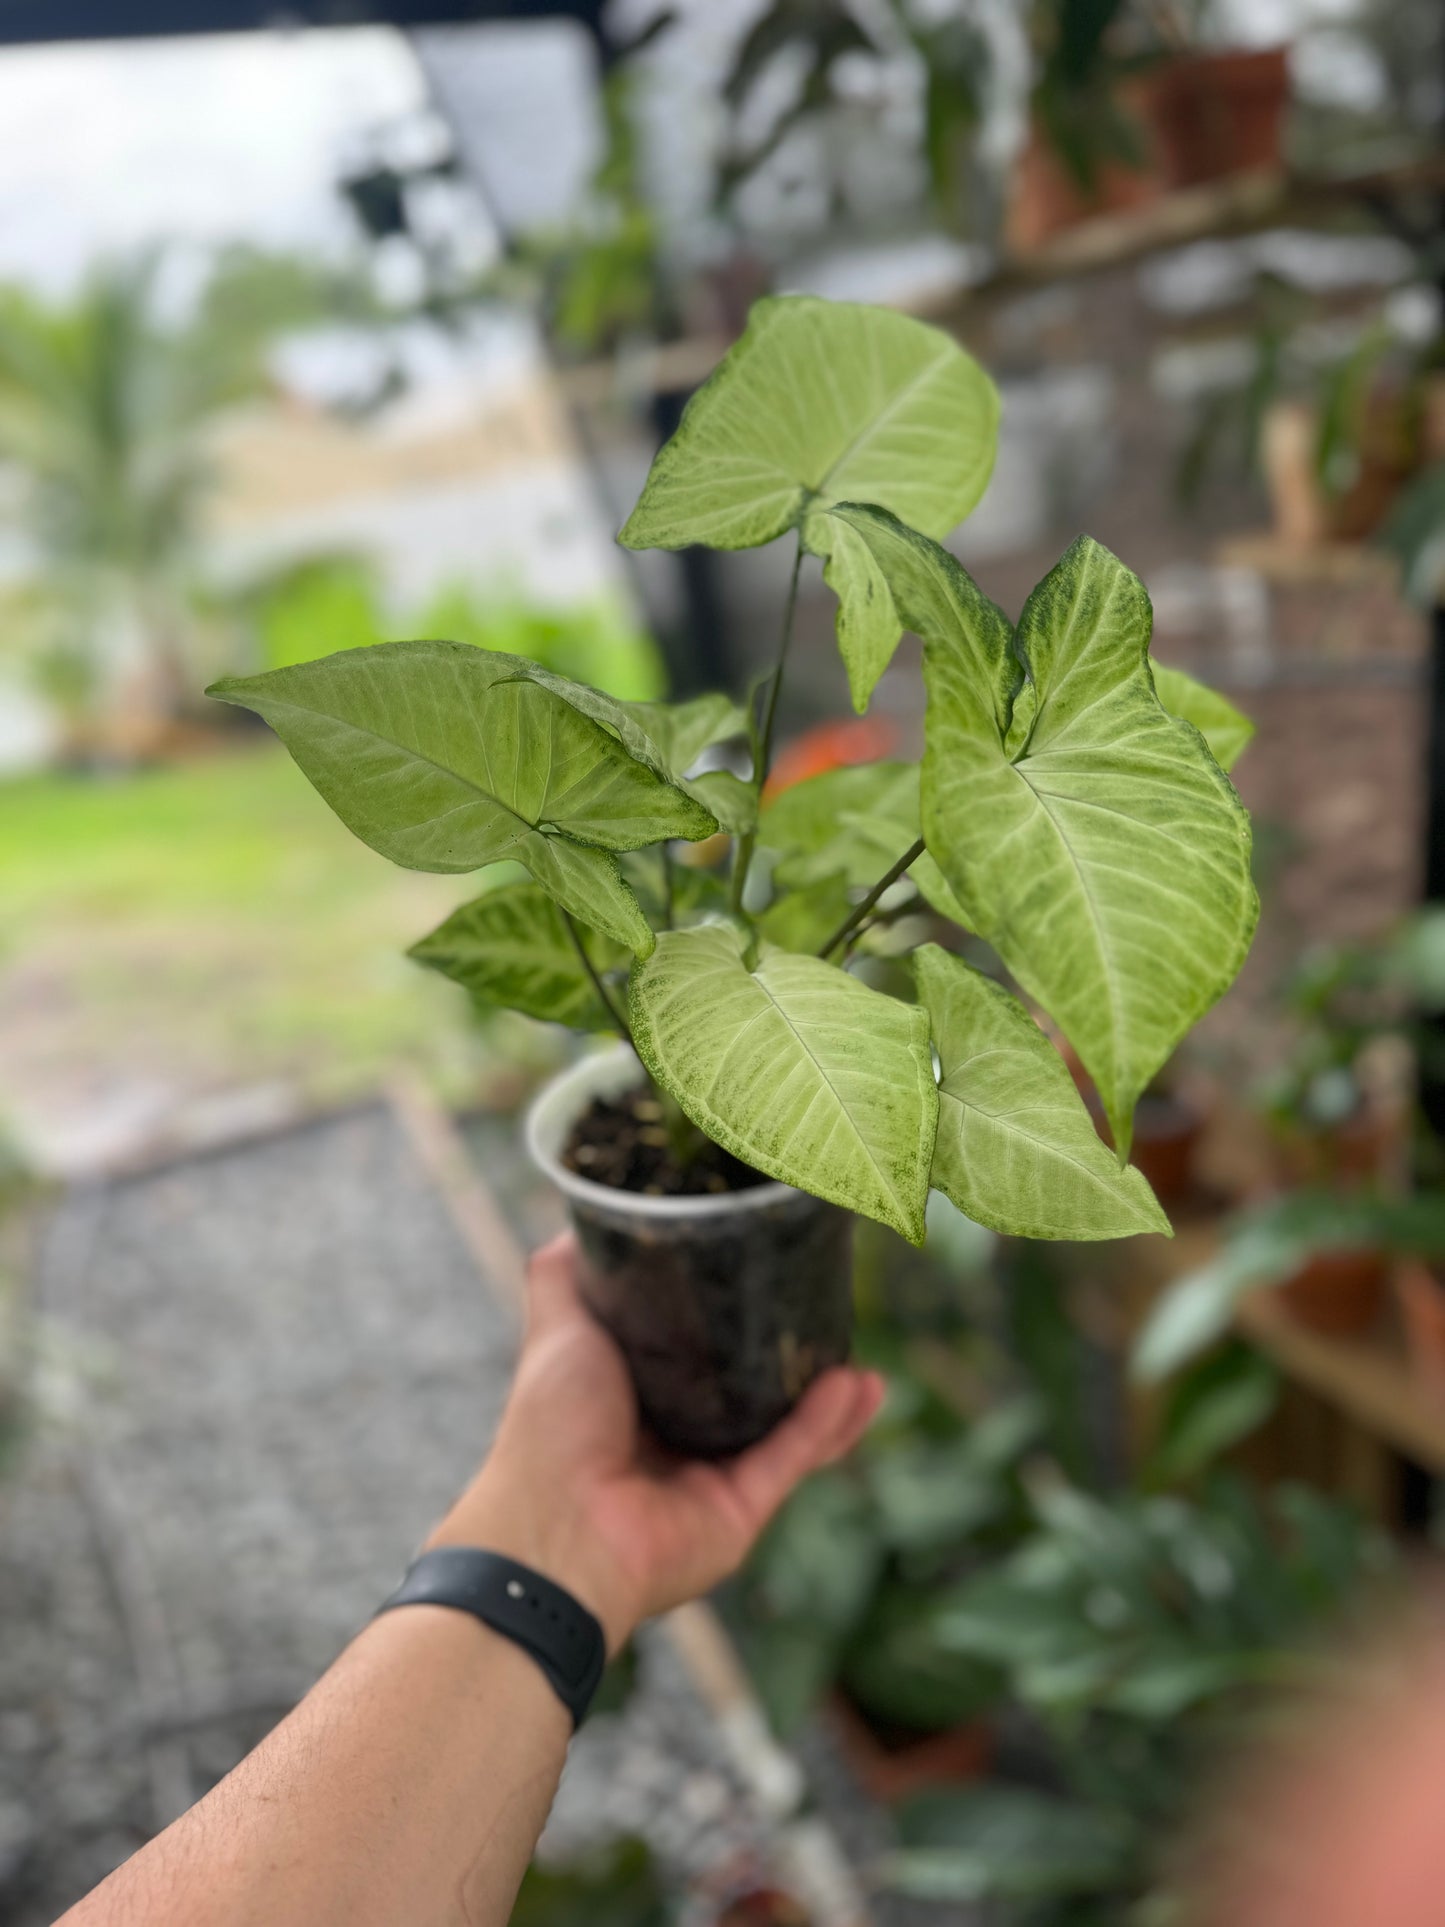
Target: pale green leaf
x: 1088, y: 835
x: 682, y: 731
x: 588, y: 884
x: 733, y: 802
x: 1227, y: 730
x: 805, y: 919
x: 822, y: 402
x: 1016, y: 1148
x: 512, y: 947
x: 855, y: 822
x: 795, y: 1067
x: 444, y: 757
x: 868, y: 624
x: 668, y: 738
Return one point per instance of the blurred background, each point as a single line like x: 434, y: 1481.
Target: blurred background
x: 367, y: 324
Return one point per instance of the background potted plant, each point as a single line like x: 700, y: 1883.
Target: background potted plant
x: 1139, y: 1637
x: 1124, y: 113
x: 1061, y: 814
x: 838, y: 1599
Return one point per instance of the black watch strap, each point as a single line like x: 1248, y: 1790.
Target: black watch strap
x: 547, y: 1622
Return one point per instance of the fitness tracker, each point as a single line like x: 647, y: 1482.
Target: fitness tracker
x: 544, y: 1620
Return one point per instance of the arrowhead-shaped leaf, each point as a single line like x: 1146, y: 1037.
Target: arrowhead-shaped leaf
x: 512, y: 947
x: 823, y: 402
x: 445, y: 757
x: 795, y: 1067
x: 1088, y: 835
x: 1016, y: 1148
x: 855, y: 822
x: 1227, y: 730
x: 868, y: 624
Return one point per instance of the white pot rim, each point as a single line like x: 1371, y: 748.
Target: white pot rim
x: 608, y: 1073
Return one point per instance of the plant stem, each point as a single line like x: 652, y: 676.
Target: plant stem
x: 667, y: 884
x: 746, y: 842
x: 859, y: 916
x: 597, y: 984
x: 770, y: 714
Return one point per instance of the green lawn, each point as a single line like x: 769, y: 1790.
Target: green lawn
x: 206, y: 925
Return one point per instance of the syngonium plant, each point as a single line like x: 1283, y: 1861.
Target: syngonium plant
x: 1070, y: 810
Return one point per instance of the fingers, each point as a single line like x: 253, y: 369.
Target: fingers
x: 552, y: 1285
x: 835, y: 1412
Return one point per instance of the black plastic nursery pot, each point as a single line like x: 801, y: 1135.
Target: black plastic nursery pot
x: 726, y: 1307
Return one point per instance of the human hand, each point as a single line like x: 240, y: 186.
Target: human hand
x: 574, y: 1488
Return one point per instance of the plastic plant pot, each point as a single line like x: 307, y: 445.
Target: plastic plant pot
x: 726, y: 1307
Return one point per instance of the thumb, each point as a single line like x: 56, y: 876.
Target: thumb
x: 832, y: 1416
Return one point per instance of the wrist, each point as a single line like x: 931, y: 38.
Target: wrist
x: 495, y: 1514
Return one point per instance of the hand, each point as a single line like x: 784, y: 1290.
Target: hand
x: 575, y: 1489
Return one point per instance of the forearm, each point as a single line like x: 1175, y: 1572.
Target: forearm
x: 409, y: 1785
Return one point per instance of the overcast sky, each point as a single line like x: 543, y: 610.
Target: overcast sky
x: 104, y: 146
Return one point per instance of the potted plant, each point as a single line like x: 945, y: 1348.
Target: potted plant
x: 1061, y: 814
x: 835, y: 1607
x: 1140, y: 1638
x: 1117, y: 125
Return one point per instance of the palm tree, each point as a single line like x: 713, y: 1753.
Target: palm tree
x: 104, y: 416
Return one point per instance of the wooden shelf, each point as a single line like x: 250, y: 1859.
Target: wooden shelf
x: 1367, y: 1377
x: 1289, y: 563
x: 1243, y: 204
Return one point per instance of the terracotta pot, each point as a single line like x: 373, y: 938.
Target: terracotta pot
x: 891, y: 1772
x: 1421, y: 1298
x: 1167, y: 1130
x: 1045, y: 199
x: 1201, y: 118
x: 726, y: 1308
x: 1359, y: 1151
x: 1217, y: 114
x: 1338, y: 1293
x: 763, y: 1907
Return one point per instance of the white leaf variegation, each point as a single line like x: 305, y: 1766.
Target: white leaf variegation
x: 1016, y: 1149
x: 795, y: 1067
x: 823, y: 402
x: 1088, y: 835
x: 1227, y: 730
x: 511, y: 947
x: 446, y: 757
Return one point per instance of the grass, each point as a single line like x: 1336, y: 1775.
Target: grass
x: 210, y: 924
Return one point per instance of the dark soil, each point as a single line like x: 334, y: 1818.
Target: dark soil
x: 624, y: 1143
